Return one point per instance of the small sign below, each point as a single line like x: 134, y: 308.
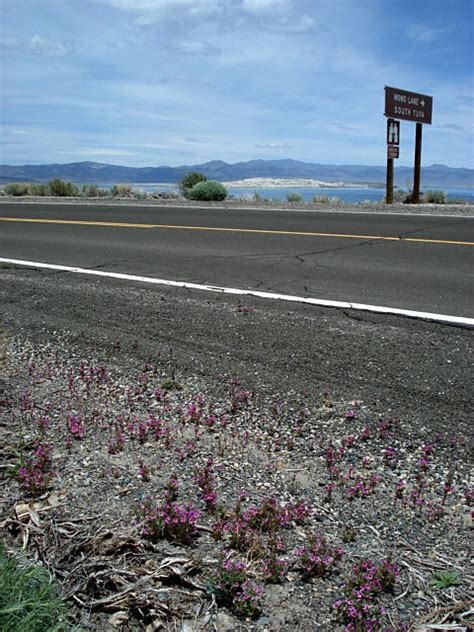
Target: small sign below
x: 408, y: 106
x: 393, y: 132
x: 393, y: 151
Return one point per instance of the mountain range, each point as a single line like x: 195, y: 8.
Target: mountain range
x: 96, y: 172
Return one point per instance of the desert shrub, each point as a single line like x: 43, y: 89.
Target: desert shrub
x: 40, y: 188
x: 256, y: 197
x: 164, y: 195
x: 139, y: 194
x: 400, y: 196
x: 409, y: 198
x: 208, y: 190
x: 435, y: 197
x: 92, y: 191
x: 189, y: 180
x: 294, y: 197
x: 121, y: 190
x: 60, y: 188
x: 457, y: 200
x: 16, y: 188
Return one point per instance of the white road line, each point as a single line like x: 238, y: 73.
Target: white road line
x: 439, y: 318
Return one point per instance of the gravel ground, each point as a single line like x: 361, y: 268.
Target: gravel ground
x: 309, y: 441
x: 466, y: 209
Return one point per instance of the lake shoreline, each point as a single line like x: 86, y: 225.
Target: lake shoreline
x: 277, y: 183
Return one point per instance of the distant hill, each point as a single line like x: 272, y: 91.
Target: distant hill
x: 96, y: 172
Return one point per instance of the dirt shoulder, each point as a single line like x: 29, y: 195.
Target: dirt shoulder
x: 240, y: 204
x: 310, y: 442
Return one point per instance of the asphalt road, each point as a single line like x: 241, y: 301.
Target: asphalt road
x: 403, y: 261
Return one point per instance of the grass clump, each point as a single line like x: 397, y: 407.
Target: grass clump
x: 445, y: 579
x: 326, y: 200
x: 29, y: 599
x: 320, y: 199
x: 256, y: 197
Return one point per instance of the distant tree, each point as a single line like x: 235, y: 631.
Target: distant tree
x: 189, y: 180
x: 60, y: 188
x: 39, y: 188
x: 16, y: 188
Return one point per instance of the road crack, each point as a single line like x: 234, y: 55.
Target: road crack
x: 444, y: 225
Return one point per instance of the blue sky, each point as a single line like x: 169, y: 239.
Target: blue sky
x: 169, y: 82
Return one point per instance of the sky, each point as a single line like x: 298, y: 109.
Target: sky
x: 172, y: 82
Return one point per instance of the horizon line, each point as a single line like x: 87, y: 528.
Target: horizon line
x: 200, y: 164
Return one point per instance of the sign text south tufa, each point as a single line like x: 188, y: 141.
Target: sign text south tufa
x: 409, y: 106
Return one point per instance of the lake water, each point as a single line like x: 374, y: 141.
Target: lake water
x: 344, y: 194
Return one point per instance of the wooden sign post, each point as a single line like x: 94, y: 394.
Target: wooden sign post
x: 393, y: 141
x: 408, y: 106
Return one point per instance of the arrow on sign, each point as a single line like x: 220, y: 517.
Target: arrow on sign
x: 422, y: 103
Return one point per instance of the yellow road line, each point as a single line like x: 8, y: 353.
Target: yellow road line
x: 73, y: 222
x: 257, y: 231
x: 438, y: 241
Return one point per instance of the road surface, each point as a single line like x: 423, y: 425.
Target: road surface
x: 410, y: 262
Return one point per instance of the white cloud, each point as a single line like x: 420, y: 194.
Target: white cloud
x: 273, y: 146
x: 262, y: 5
x: 193, y: 140
x: 100, y: 151
x: 296, y: 78
x: 38, y: 45
x: 290, y: 24
x: 465, y: 100
x: 340, y: 127
x: 9, y: 132
x: 135, y: 5
x: 155, y: 12
x: 196, y: 48
x: 278, y: 15
x: 424, y: 34
x: 453, y: 128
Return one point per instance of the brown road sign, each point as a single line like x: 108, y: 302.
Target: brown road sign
x: 409, y: 106
x: 393, y: 132
x: 393, y: 151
